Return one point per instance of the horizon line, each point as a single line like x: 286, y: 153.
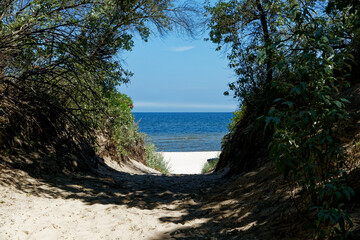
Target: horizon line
x: 182, y: 112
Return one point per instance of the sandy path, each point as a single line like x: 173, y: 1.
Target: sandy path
x: 131, y: 202
x: 117, y: 205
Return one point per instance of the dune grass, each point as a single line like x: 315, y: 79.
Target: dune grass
x: 155, y: 160
x: 210, y: 165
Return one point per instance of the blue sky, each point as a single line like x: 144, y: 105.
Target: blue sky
x: 174, y: 74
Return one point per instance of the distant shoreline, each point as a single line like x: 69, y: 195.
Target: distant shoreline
x: 180, y: 112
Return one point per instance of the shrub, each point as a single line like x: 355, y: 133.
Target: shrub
x: 210, y: 165
x: 236, y: 118
x: 154, y: 159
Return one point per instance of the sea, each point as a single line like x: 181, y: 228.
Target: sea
x: 186, y: 131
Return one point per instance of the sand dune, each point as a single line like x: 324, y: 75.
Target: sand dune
x: 130, y: 201
x: 120, y: 202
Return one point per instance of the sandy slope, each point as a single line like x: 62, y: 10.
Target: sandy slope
x: 126, y: 202
x: 134, y: 202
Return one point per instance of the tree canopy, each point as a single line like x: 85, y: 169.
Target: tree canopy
x: 60, y: 63
x: 293, y: 60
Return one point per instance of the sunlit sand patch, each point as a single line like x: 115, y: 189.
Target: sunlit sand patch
x: 188, y: 162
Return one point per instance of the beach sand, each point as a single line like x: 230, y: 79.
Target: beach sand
x: 132, y: 202
x: 188, y: 162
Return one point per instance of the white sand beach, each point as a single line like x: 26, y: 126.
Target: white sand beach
x: 188, y: 162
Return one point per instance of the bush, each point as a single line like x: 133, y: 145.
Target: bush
x: 59, y: 75
x: 154, y: 159
x: 119, y: 122
x: 210, y: 165
x: 236, y: 118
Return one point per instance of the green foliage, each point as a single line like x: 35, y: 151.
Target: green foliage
x: 332, y: 196
x: 293, y: 59
x: 236, y: 118
x: 59, y: 77
x: 154, y: 159
x: 209, y: 165
x: 305, y: 143
x: 119, y: 122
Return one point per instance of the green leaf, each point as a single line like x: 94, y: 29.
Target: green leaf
x: 290, y: 104
x: 296, y: 90
x: 268, y: 120
x: 344, y: 100
x: 338, y: 195
x: 338, y: 104
x: 347, y: 194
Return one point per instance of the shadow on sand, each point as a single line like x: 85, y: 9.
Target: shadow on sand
x: 245, y: 207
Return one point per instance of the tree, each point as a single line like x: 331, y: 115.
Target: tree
x: 58, y: 67
x: 293, y: 59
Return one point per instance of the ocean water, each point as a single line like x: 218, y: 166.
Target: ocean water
x: 184, y: 132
